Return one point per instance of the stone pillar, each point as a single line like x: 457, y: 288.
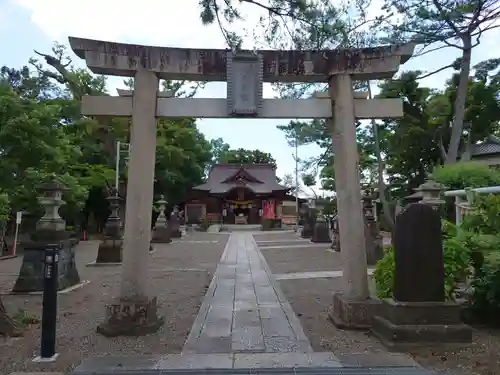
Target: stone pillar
x: 51, y: 229
x: 161, y: 233
x: 352, y: 308
x: 374, y: 246
x: 110, y: 248
x: 135, y: 312
x: 418, y: 314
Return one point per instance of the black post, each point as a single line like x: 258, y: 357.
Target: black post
x: 49, y: 309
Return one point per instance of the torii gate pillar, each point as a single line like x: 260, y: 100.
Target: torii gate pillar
x: 134, y: 312
x: 353, y: 308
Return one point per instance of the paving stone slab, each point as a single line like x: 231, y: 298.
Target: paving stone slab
x: 247, y: 339
x: 272, y: 360
x: 207, y: 361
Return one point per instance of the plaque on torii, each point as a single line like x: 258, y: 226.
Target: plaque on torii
x: 244, y: 72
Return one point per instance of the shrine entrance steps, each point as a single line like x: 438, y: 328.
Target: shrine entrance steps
x: 240, y: 228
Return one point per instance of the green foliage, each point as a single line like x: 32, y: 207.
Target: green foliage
x: 242, y: 156
x: 25, y: 318
x: 464, y: 175
x: 4, y: 207
x: 384, y: 274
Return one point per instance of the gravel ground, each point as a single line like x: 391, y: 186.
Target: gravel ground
x: 179, y: 276
x: 311, y: 300
x: 302, y: 259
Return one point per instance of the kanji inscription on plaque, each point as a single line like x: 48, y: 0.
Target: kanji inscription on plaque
x: 244, y: 84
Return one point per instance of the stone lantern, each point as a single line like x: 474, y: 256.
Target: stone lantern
x: 161, y: 232
x: 110, y: 248
x: 374, y: 246
x: 431, y: 193
x: 174, y: 224
x: 51, y: 225
x: 50, y: 231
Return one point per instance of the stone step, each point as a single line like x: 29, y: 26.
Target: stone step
x: 108, y: 364
x: 276, y: 371
x: 319, y: 363
x: 240, y: 228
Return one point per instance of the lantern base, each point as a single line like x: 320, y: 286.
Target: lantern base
x: 110, y: 250
x: 31, y: 274
x: 161, y: 235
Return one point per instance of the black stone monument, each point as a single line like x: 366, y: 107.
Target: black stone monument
x: 418, y: 315
x: 321, y: 233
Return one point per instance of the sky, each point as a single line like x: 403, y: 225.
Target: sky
x: 26, y: 25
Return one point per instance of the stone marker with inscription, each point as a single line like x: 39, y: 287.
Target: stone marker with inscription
x: 244, y: 84
x: 418, y: 314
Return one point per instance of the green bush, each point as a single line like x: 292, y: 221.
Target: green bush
x: 463, y: 175
x: 485, y: 301
x: 456, y: 264
x: 482, y: 225
x: 384, y: 274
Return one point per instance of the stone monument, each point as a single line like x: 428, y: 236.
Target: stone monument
x: 418, y: 314
x: 50, y: 230
x: 161, y: 233
x: 374, y: 246
x: 321, y: 233
x: 110, y: 248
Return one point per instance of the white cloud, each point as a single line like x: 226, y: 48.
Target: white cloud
x: 155, y: 22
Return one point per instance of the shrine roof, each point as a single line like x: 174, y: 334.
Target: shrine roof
x: 122, y: 59
x: 490, y: 146
x: 261, y: 178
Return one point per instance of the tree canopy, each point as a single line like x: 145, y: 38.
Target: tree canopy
x: 43, y: 134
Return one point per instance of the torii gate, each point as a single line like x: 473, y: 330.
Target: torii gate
x: 134, y: 312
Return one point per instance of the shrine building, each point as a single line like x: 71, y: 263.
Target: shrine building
x: 240, y: 194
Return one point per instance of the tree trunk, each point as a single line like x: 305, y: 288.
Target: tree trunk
x: 459, y: 105
x: 8, y: 327
x: 380, y: 169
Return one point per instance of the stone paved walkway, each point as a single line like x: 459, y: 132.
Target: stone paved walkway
x: 244, y: 309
